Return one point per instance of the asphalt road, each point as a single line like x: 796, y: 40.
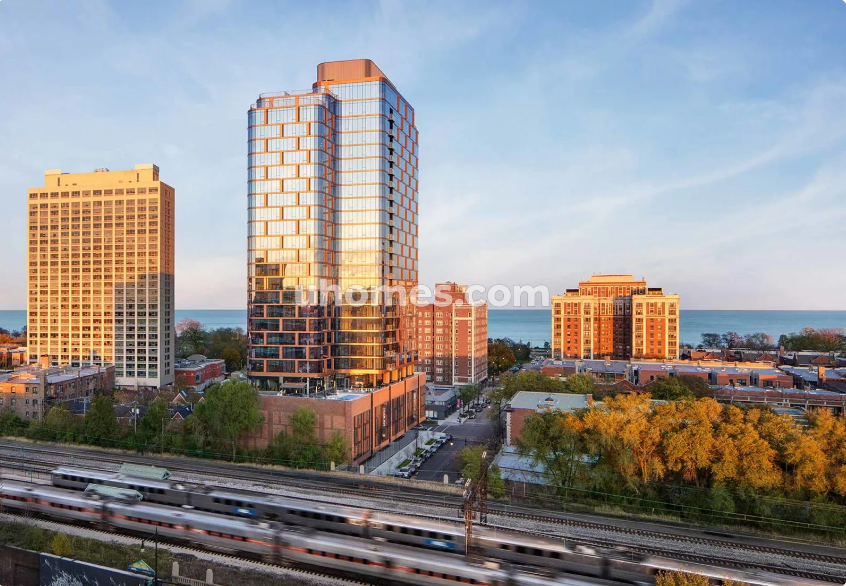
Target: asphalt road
x: 445, y: 460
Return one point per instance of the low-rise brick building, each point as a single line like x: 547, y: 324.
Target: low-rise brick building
x: 198, y: 372
x: 368, y: 420
x: 29, y: 390
x: 526, y: 403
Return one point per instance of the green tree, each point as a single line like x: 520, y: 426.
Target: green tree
x: 580, y: 384
x: 100, y: 423
x: 668, y: 389
x: 711, y: 340
x: 531, y: 380
x: 468, y: 394
x: 232, y: 358
x: 471, y: 466
x: 698, y: 387
x: 221, y: 339
x: 230, y: 410
x: 338, y: 448
x: 553, y: 439
x: 61, y: 545
x: 151, y: 425
x: 11, y: 423
x: 56, y: 425
x: 500, y: 358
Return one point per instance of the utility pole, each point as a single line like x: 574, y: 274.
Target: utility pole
x: 475, y: 491
x: 469, y: 497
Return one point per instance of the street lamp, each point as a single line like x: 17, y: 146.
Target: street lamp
x: 155, y: 539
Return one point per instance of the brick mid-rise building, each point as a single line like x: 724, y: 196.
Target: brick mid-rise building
x: 369, y: 421
x: 31, y: 390
x: 452, y: 337
x: 615, y: 316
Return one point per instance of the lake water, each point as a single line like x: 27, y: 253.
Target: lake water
x: 533, y: 325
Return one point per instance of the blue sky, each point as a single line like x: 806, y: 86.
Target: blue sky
x: 699, y: 144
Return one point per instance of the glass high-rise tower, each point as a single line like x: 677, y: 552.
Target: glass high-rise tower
x: 332, y: 197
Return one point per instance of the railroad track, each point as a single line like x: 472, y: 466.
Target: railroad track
x: 447, y: 501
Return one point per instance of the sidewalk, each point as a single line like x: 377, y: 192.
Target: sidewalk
x: 449, y: 421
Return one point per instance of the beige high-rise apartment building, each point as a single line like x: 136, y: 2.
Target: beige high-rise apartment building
x: 615, y: 316
x: 101, y: 272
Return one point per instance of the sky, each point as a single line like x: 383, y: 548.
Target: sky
x: 701, y: 145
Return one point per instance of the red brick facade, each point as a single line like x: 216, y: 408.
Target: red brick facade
x: 368, y: 421
x: 199, y: 375
x: 452, y: 338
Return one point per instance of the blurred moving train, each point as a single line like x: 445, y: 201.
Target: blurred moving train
x: 513, y: 547
x: 548, y: 554
x: 272, y: 542
x: 275, y: 542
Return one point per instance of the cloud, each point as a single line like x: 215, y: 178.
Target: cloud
x: 662, y: 138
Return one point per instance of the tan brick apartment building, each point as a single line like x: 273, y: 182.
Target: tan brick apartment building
x: 615, y: 316
x: 452, y: 337
x: 101, y: 272
x: 28, y: 390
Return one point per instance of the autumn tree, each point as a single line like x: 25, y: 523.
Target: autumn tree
x: 621, y: 431
x: 741, y: 455
x: 688, y: 441
x: 731, y: 340
x: 191, y: 337
x: 759, y: 341
x: 554, y: 440
x: 61, y: 544
x: 830, y: 433
x: 500, y: 359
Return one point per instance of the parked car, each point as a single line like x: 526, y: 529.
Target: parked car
x: 472, y: 416
x: 404, y: 472
x: 412, y: 469
x: 460, y: 480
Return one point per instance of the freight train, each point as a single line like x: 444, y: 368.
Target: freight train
x: 342, y: 555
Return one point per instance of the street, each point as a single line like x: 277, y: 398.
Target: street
x: 445, y: 460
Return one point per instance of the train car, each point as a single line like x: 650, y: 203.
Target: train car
x: 52, y: 502
x: 195, y: 526
x: 343, y: 555
x: 156, y: 491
